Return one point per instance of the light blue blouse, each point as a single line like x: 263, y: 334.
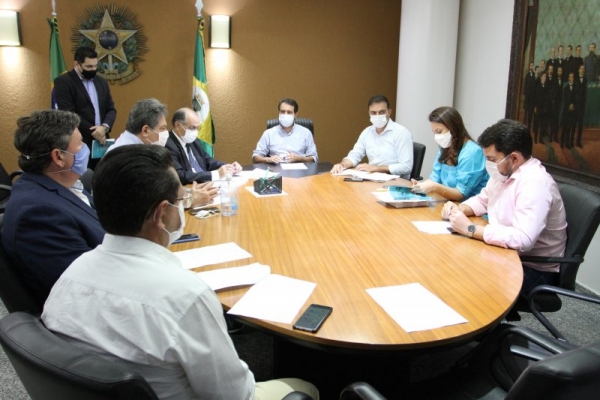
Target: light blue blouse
x: 469, y: 176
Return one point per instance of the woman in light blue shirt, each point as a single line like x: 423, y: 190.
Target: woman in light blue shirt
x: 459, y: 169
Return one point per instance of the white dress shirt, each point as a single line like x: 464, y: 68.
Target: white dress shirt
x: 125, y: 139
x: 130, y: 299
x: 392, y: 147
x: 526, y: 213
x: 276, y: 141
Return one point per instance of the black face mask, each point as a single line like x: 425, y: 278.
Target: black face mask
x: 88, y: 74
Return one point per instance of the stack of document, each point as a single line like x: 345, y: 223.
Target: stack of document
x: 369, y: 176
x: 402, y: 197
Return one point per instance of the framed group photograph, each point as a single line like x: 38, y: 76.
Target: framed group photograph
x: 554, y: 81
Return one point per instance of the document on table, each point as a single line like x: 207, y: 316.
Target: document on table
x: 276, y: 298
x: 203, y: 256
x: 370, y: 176
x: 251, y: 190
x: 415, y: 308
x: 238, y: 181
x: 285, y: 166
x: 236, y: 276
x: 433, y: 227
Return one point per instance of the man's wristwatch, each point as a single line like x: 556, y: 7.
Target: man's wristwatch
x: 471, y: 230
x: 106, y: 127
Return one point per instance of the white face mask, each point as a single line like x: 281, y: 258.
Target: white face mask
x: 286, y: 120
x: 173, y: 236
x: 379, y: 121
x: 163, y: 136
x: 443, y: 139
x: 190, y: 136
x: 492, y: 169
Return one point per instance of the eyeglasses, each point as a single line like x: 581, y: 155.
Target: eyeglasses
x: 193, y: 128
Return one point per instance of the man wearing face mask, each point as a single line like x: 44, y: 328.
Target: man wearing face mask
x: 48, y: 220
x: 387, y: 145
x: 87, y: 95
x: 146, y: 124
x: 191, y: 162
x: 288, y: 141
x: 133, y: 284
x: 525, y: 210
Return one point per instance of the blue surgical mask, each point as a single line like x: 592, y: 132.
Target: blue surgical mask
x: 80, y: 160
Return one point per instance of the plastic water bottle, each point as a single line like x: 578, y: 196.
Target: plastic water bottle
x: 229, y: 198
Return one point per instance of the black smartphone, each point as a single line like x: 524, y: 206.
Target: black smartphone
x: 188, y: 237
x: 312, y: 319
x: 353, y: 179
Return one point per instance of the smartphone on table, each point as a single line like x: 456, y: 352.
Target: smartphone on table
x: 188, y: 237
x: 312, y: 319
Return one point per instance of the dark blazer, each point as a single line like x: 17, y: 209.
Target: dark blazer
x: 71, y: 95
x: 182, y: 164
x: 45, y: 228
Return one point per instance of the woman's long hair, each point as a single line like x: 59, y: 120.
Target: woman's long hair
x: 452, y: 120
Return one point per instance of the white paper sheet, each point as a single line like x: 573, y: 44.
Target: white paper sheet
x: 258, y: 173
x: 415, y: 308
x: 216, y: 202
x: 203, y: 256
x: 238, y: 181
x: 276, y: 298
x: 293, y: 166
x: 260, y: 196
x: 370, y: 176
x: 433, y: 227
x: 236, y: 276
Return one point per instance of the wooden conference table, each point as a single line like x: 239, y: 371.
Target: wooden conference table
x: 334, y: 233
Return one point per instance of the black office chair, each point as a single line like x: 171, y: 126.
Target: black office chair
x: 583, y: 217
x: 305, y: 122
x: 568, y: 373
x: 51, y: 368
x: 13, y: 292
x: 418, y: 156
x: 6, y: 181
x: 86, y: 179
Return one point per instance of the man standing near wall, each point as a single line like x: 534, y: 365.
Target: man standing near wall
x: 87, y: 95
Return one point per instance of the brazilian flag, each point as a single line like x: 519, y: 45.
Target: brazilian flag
x: 200, y: 103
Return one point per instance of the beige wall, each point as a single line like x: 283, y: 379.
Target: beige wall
x: 331, y: 56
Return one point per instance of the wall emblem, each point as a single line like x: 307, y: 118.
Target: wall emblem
x: 117, y: 38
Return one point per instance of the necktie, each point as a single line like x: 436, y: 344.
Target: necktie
x: 195, y: 166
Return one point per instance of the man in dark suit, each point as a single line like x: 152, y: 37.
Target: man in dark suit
x: 577, y: 60
x: 529, y: 88
x: 87, y: 95
x: 48, y: 221
x: 557, y: 93
x: 543, y: 102
x: 552, y: 60
x: 569, y: 62
x: 581, y: 82
x: 191, y: 161
x: 569, y: 116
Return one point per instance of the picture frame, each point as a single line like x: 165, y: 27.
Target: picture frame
x: 567, y: 135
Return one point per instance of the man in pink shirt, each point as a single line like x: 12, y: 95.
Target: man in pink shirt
x: 525, y: 210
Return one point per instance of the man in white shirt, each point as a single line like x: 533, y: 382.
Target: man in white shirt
x: 387, y: 145
x: 288, y: 141
x: 131, y: 299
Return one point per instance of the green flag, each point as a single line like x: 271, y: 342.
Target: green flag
x: 200, y: 103
x: 57, y: 61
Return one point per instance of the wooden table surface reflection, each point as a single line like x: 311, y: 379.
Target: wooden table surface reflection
x: 335, y: 234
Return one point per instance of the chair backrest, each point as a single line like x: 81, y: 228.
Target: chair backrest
x: 86, y: 179
x: 418, y: 156
x: 305, y: 122
x: 13, y: 292
x: 582, y: 207
x: 51, y: 368
x: 570, y: 375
